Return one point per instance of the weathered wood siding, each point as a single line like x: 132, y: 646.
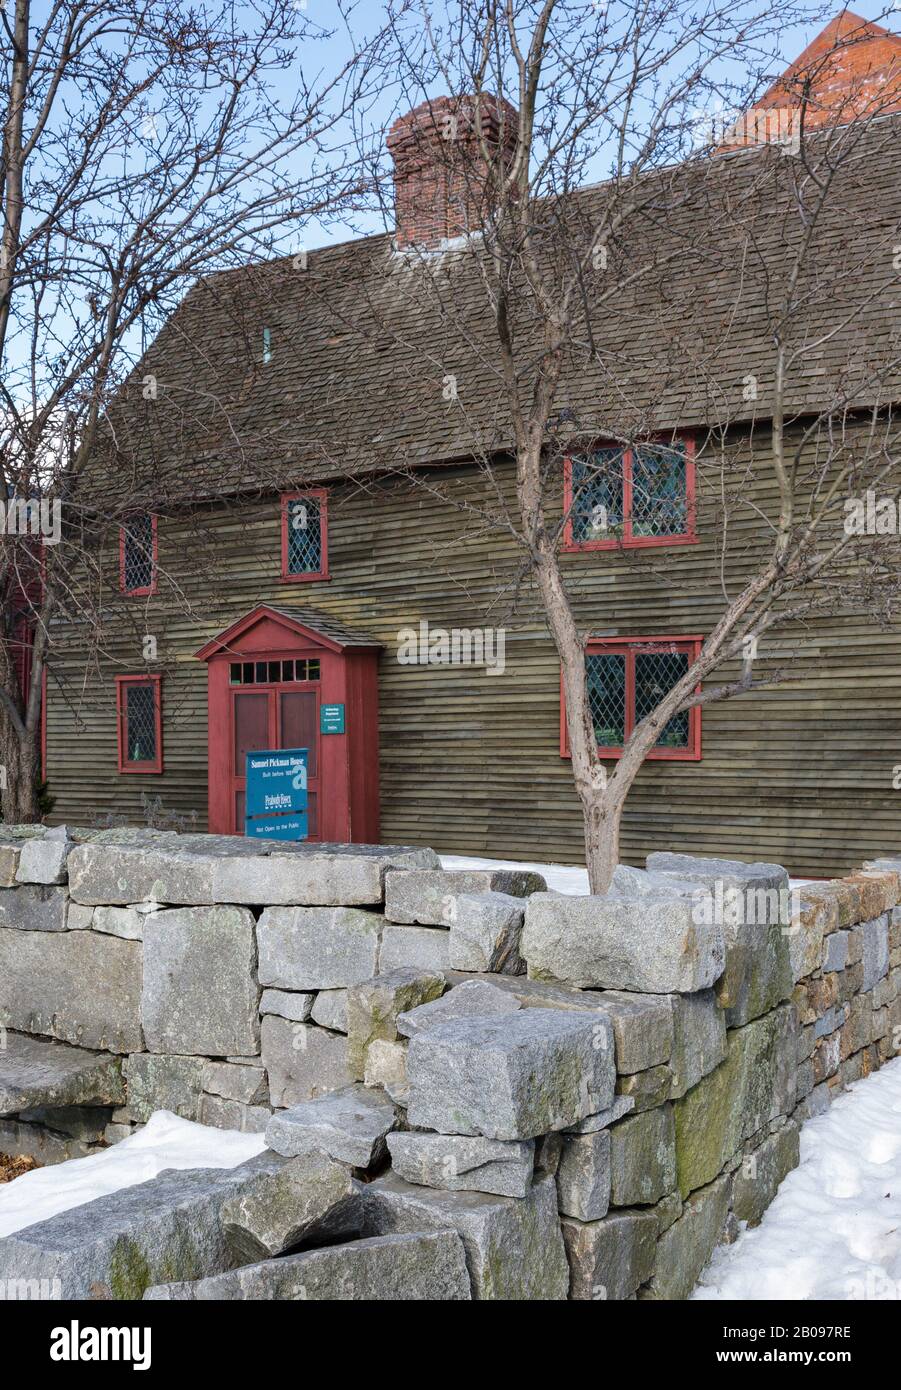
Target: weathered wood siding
x: 470, y: 762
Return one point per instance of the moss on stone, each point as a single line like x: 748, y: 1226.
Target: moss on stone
x: 129, y: 1271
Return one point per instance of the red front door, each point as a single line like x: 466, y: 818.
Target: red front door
x: 268, y: 676
x: 275, y: 715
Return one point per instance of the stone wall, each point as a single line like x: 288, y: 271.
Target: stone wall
x: 591, y: 1092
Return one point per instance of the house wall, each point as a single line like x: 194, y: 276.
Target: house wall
x: 470, y: 762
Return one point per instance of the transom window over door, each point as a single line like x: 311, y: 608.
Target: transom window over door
x: 305, y: 535
x: 627, y: 678
x: 630, y: 496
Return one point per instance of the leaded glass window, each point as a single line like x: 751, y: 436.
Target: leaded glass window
x: 138, y: 542
x: 655, y: 675
x: 597, y: 492
x: 304, y: 536
x: 659, y: 492
x: 641, y: 495
x: 606, y: 675
x: 140, y: 724
x: 626, y: 678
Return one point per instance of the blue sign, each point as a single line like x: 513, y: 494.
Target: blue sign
x: 277, y: 827
x: 275, y: 805
x: 331, y: 719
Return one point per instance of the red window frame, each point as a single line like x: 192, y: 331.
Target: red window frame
x: 627, y: 541
x: 142, y: 588
x: 148, y: 765
x: 630, y: 647
x: 321, y: 494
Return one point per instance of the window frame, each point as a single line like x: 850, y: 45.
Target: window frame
x: 147, y: 765
x: 631, y: 647
x: 142, y: 589
x: 627, y: 541
x: 321, y: 495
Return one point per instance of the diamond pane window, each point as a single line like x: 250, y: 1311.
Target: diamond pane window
x: 304, y: 536
x: 642, y: 495
x: 137, y: 554
x: 597, y: 486
x: 140, y: 726
x: 655, y: 675
x: 659, y: 493
x: 606, y: 676
x: 626, y: 678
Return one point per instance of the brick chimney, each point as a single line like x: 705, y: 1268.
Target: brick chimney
x: 444, y: 186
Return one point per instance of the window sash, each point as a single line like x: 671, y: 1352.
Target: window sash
x: 680, y: 740
x: 305, y: 535
x: 638, y: 513
x: 139, y: 719
x: 137, y: 555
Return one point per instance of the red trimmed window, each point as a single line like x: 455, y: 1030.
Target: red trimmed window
x: 140, y: 724
x: 137, y: 554
x: 305, y: 535
x: 630, y: 496
x: 627, y: 678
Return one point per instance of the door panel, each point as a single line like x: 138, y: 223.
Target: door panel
x: 299, y: 728
x: 252, y: 721
x: 251, y: 726
x: 275, y: 716
x: 300, y: 725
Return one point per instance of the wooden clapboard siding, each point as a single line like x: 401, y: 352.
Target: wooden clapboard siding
x: 801, y: 774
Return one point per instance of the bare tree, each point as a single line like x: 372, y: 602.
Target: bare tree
x: 144, y: 145
x: 545, y: 94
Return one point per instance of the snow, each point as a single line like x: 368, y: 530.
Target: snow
x: 562, y: 878
x: 166, y: 1141
x: 833, y: 1230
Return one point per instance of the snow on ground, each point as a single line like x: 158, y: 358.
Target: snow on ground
x: 563, y: 878
x: 834, y: 1228
x: 166, y: 1141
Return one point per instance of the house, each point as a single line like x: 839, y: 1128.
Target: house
x: 315, y: 528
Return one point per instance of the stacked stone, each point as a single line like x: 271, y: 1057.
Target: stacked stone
x: 219, y: 969
x: 590, y: 1129
x: 705, y: 1045
x: 158, y: 948
x: 848, y: 983
x: 253, y: 1232
x: 486, y: 1078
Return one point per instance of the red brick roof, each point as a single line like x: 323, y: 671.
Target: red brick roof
x: 850, y: 70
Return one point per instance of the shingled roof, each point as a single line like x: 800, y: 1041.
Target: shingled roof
x: 362, y: 340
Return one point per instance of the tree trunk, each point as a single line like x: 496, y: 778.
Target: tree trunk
x: 19, y: 761
x: 601, y: 814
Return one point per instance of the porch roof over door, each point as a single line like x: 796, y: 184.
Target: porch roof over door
x: 311, y: 626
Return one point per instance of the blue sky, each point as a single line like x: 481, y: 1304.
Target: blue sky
x: 794, y: 40
x: 316, y: 60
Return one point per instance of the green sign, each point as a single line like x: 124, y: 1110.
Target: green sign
x: 331, y: 719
